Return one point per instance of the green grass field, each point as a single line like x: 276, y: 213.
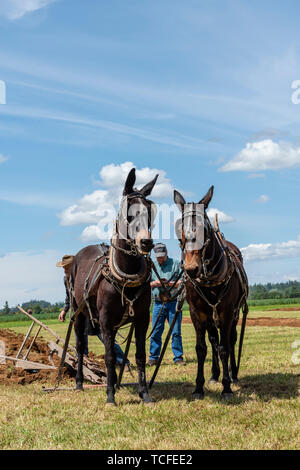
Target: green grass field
x: 264, y: 413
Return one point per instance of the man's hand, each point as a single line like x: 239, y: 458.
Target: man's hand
x: 156, y: 283
x: 62, y: 316
x: 172, y: 283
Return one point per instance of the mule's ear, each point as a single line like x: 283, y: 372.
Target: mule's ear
x: 128, y: 188
x: 179, y: 200
x: 208, y: 197
x: 147, y: 189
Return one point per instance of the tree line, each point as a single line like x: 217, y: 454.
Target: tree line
x: 281, y: 290
x: 36, y: 306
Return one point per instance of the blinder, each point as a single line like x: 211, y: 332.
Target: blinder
x: 193, y: 224
x: 139, y: 214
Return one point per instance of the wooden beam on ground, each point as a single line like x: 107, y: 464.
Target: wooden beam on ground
x: 28, y: 365
x: 32, y: 342
x: 86, y: 386
x: 2, y: 352
x: 72, y: 361
x: 24, y: 340
x: 45, y: 327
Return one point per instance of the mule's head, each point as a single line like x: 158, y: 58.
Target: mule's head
x: 193, y: 230
x: 137, y: 214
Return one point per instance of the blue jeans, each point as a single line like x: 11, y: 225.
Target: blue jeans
x: 118, y: 351
x: 168, y: 313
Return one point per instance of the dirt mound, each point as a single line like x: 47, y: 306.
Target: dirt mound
x: 40, y: 352
x: 264, y: 321
x: 286, y: 309
x: 269, y: 321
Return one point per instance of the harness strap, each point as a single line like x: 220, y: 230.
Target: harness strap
x: 202, y: 295
x: 87, y: 290
x: 129, y: 311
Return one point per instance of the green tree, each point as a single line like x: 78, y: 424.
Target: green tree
x: 6, y: 309
x: 37, y: 309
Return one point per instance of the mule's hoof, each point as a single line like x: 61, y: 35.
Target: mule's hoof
x: 110, y: 404
x: 227, y: 395
x: 197, y: 396
x: 148, y: 400
x: 79, y: 388
x: 213, y: 381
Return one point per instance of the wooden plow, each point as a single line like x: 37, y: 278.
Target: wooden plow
x: 91, y: 369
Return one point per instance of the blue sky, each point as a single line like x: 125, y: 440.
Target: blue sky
x: 200, y: 92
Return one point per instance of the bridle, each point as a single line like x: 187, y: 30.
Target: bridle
x: 204, y: 280
x: 133, y: 247
x: 117, y: 276
x: 206, y: 262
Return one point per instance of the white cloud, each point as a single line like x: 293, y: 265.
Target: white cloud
x: 222, y: 217
x: 263, y: 199
x: 27, y: 275
x: 263, y: 251
x: 2, y: 158
x: 16, y: 9
x: 264, y: 155
x: 98, y: 209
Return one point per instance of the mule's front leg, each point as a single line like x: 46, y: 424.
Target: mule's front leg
x: 224, y: 350
x: 213, y: 337
x: 140, y: 357
x: 79, y: 328
x: 110, y: 362
x: 201, y: 350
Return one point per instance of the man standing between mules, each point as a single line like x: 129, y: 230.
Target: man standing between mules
x: 168, y: 270
x: 66, y: 263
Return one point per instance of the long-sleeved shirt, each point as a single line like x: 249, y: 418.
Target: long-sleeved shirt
x: 169, y: 270
x: 67, y: 299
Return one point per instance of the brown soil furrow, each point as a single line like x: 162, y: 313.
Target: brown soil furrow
x: 9, y: 374
x: 264, y: 321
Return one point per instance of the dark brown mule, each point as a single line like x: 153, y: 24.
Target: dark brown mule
x: 216, y: 289
x: 122, y: 293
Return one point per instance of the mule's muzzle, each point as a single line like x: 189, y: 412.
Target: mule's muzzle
x: 146, y: 245
x: 192, y: 271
